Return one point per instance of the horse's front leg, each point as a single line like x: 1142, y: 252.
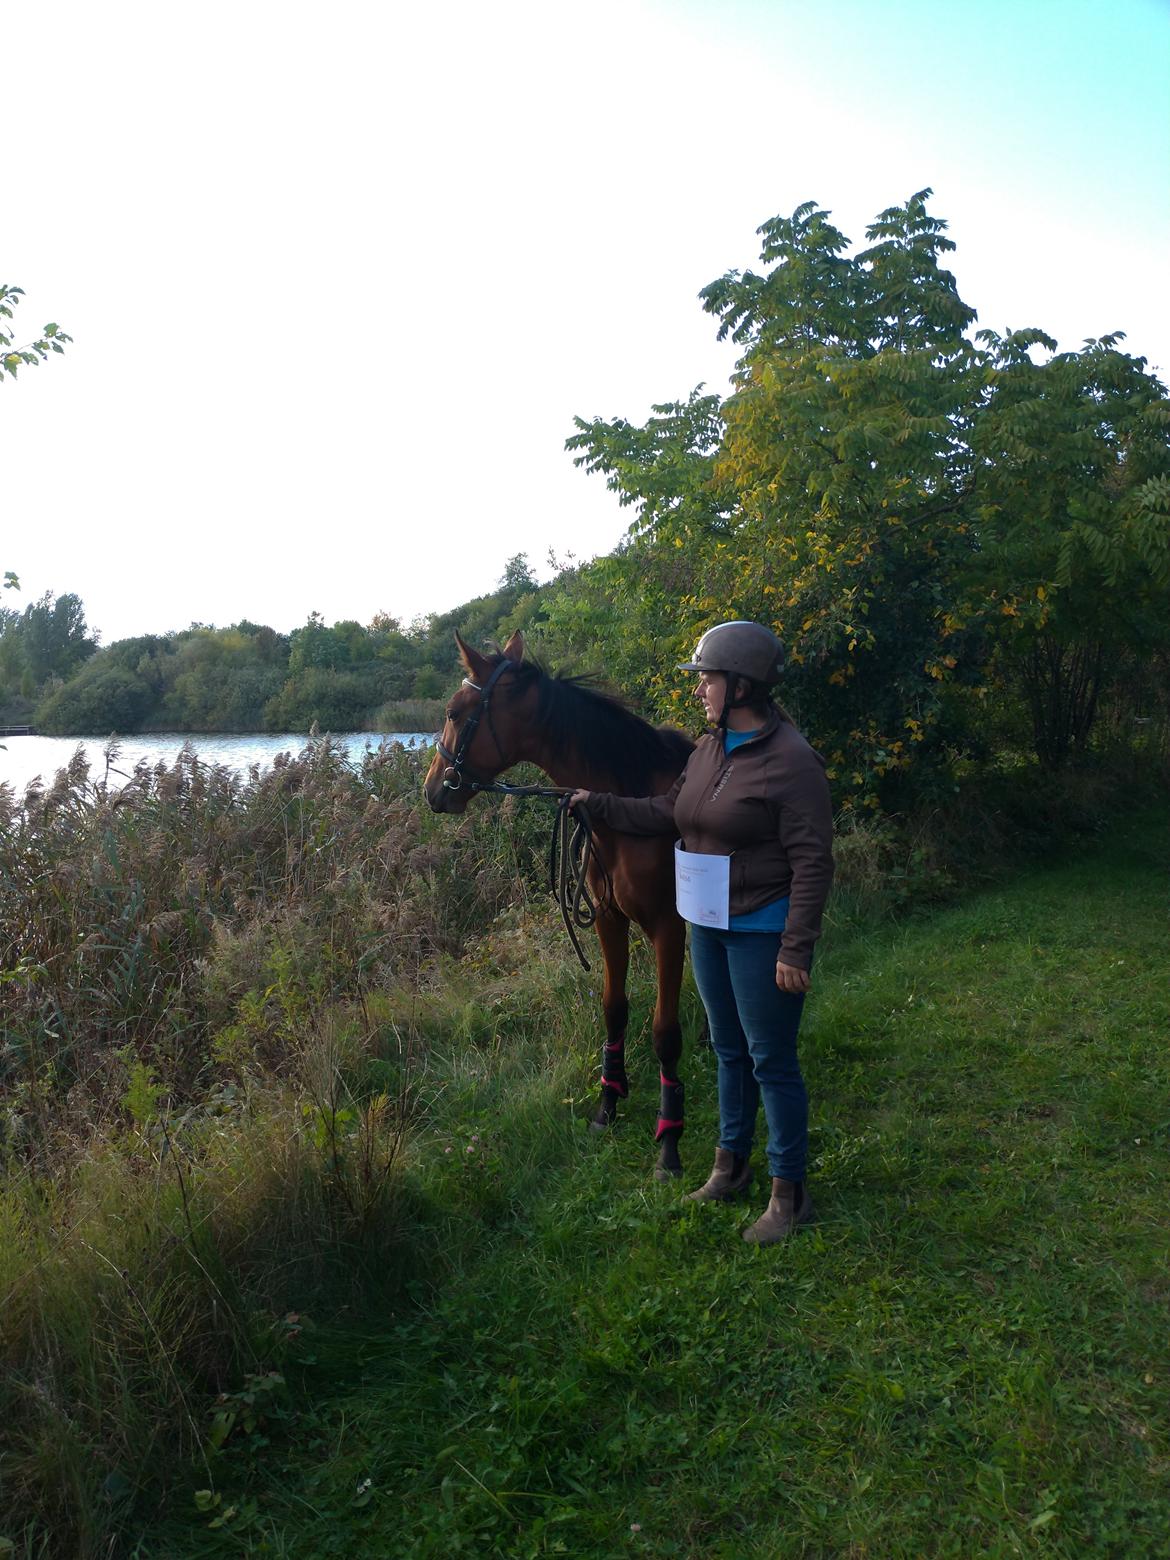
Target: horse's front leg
x: 613, y: 932
x: 669, y: 939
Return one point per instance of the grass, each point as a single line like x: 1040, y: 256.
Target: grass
x: 966, y: 1356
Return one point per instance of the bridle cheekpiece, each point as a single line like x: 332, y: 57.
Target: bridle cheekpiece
x: 454, y: 778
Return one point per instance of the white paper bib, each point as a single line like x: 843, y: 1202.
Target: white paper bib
x: 702, y: 887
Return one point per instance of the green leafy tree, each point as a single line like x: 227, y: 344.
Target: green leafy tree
x: 666, y: 470
x: 515, y: 603
x: 39, y: 648
x: 53, y: 637
x: 1072, y: 579
x: 316, y: 646
x: 862, y: 489
x: 216, y: 680
x: 518, y: 576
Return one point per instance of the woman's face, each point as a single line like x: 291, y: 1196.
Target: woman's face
x: 709, y: 690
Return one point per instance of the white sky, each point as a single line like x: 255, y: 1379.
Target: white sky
x: 340, y: 276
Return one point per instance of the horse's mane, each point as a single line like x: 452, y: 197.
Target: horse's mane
x: 579, y: 716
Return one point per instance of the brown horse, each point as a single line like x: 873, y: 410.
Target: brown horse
x: 509, y: 711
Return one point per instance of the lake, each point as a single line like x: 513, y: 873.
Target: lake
x: 24, y: 758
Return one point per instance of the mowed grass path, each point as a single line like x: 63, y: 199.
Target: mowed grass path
x: 967, y: 1356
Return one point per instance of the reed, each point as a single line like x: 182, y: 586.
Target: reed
x: 205, y: 1096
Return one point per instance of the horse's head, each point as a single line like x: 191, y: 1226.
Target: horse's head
x: 482, y: 728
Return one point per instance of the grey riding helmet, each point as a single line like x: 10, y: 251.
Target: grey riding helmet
x: 743, y: 649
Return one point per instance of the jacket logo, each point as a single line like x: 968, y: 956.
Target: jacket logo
x: 721, y: 782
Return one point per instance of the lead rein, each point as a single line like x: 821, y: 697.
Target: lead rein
x: 571, y: 848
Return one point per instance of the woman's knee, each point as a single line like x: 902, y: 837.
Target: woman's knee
x: 781, y: 1071
x: 730, y: 1044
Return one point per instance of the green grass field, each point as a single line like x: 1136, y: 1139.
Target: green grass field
x: 967, y: 1356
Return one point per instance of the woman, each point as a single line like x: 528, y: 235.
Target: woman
x: 752, y: 807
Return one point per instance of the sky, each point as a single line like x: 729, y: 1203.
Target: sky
x: 339, y: 278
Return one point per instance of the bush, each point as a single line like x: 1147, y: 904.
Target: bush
x: 332, y: 700
x: 102, y: 699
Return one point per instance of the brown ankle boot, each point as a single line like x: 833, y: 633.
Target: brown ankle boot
x: 729, y: 1176
x: 788, y: 1208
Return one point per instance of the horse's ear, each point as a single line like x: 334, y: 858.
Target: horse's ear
x: 475, y: 665
x: 514, y: 649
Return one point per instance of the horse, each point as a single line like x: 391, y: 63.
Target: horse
x: 508, y: 710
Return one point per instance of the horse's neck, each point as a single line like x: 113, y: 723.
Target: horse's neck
x: 569, y: 766
x: 575, y: 769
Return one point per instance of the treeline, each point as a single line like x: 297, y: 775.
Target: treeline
x: 244, y: 678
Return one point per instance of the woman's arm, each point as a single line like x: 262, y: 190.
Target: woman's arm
x: 632, y: 814
x: 806, y: 833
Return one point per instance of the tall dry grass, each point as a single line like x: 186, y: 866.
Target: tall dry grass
x: 203, y: 1106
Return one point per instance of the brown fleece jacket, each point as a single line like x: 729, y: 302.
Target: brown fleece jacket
x: 766, y: 805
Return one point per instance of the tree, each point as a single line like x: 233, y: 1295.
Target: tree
x: 859, y: 487
x: 43, y: 645
x: 316, y: 646
x: 666, y: 470
x: 54, y: 637
x: 824, y: 495
x: 517, y: 575
x: 1072, y: 580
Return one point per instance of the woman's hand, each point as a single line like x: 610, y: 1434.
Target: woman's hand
x: 578, y: 796
x: 790, y: 979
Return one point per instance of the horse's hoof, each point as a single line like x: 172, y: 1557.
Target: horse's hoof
x: 667, y: 1173
x: 604, y: 1116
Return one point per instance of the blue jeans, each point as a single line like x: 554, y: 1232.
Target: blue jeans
x: 753, y: 1031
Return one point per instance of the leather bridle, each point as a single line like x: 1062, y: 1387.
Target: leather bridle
x: 454, y: 778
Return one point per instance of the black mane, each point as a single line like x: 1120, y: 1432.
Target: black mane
x: 579, y: 717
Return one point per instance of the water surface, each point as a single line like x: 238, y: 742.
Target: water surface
x: 25, y: 758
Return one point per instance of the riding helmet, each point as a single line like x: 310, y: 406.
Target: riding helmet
x: 743, y: 649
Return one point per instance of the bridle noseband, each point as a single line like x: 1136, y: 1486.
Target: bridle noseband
x: 453, y: 776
